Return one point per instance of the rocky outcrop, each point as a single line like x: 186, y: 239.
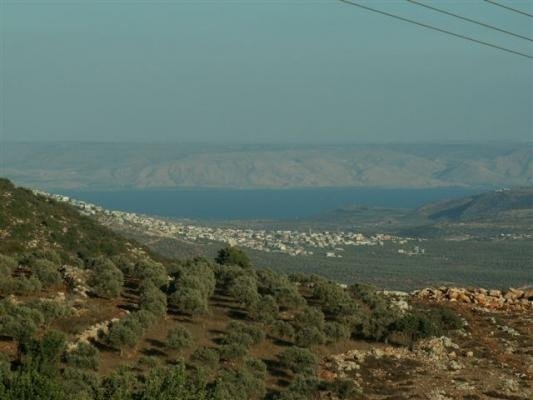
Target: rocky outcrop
x: 92, y: 333
x: 440, y: 353
x: 509, y: 300
x: 75, y: 279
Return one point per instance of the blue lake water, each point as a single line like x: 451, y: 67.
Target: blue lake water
x: 259, y: 203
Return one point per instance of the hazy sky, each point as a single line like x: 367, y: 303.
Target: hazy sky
x: 260, y: 71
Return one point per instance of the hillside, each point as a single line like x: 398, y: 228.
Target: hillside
x: 113, y: 321
x: 111, y: 166
x: 32, y: 223
x: 493, y: 205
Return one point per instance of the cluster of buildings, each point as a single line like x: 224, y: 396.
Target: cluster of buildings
x: 290, y: 242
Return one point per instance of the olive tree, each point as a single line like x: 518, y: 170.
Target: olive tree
x: 106, y: 279
x: 178, y: 338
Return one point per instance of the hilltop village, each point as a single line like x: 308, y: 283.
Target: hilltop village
x: 291, y: 242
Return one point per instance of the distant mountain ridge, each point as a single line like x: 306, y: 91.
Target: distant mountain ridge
x: 113, y: 166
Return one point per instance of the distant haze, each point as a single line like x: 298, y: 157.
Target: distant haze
x: 259, y: 72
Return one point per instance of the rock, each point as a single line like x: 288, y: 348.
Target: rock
x: 469, y: 354
x: 495, y: 293
x: 455, y: 365
x: 510, y: 385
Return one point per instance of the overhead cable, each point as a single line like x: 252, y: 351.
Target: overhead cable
x: 427, y: 26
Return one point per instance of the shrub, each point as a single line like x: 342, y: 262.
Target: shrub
x: 178, y: 338
x: 46, y: 271
x: 344, y: 388
x: 189, y: 301
x: 414, y: 326
x: 150, y: 270
x: 247, y: 334
x: 19, y: 321
x: 303, y: 387
x: 233, y: 256
x: 171, y: 383
x: 44, y: 354
x: 21, y: 285
x: 297, y: 360
x: 50, y: 309
x: 265, y: 309
x: 336, y: 331
x: 232, y: 351
x: 80, y: 384
x: 244, y: 289
x: 205, y: 357
x: 120, y: 385
x: 149, y: 361
x: 125, y: 332
x: 282, y: 330
x: 84, y: 356
x: 309, y: 336
x: 244, y: 384
x: 7, y: 265
x: 310, y: 317
x: 152, y: 299
x: 288, y: 297
x: 447, y: 318
x: 106, y: 279
x: 145, y: 318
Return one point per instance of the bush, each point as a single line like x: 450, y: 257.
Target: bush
x: 125, y: 332
x: 149, y: 270
x: 247, y: 334
x: 233, y: 256
x: 44, y: 354
x: 189, y: 301
x: 21, y: 285
x: 50, y: 309
x: 18, y: 321
x: 171, y: 383
x: 265, y: 309
x: 47, y: 272
x: 149, y: 361
x: 310, y: 317
x: 344, y: 388
x: 309, y: 336
x: 336, y: 331
x: 447, y: 318
x: 414, y: 326
x: 205, y: 357
x: 178, y: 338
x: 152, y: 299
x: 84, y: 356
x: 80, y: 384
x: 244, y: 289
x: 145, y: 318
x: 106, y: 279
x: 289, y: 298
x: 232, y: 351
x: 282, y: 330
x: 7, y: 265
x: 303, y: 387
x: 244, y: 384
x: 120, y: 385
x: 298, y: 360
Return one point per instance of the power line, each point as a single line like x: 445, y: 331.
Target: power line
x: 509, y: 8
x: 469, y: 20
x: 434, y: 28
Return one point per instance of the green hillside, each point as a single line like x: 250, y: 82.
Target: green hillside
x: 480, y: 207
x: 88, y: 315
